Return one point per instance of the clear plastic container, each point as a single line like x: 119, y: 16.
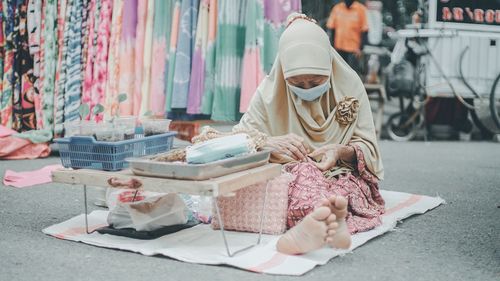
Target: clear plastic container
x: 110, y: 133
x: 87, y: 128
x: 72, y: 128
x: 155, y: 126
x: 128, y: 123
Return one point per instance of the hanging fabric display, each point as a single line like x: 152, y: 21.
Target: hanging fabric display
x: 113, y: 72
x: 209, y: 80
x: 264, y: 24
x: 50, y: 61
x: 34, y: 24
x: 182, y: 72
x: 90, y: 56
x: 100, y: 70
x: 185, y: 58
x: 24, y: 108
x: 174, y: 36
x: 73, y: 80
x: 197, y: 78
x: 8, y: 70
x: 126, y: 58
x: 229, y: 54
x: 161, y: 40
x: 142, y: 10
x: 146, y: 63
x: 62, y: 32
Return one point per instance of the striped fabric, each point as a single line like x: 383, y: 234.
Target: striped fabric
x: 229, y: 53
x: 73, y: 81
x: 174, y: 36
x: 209, y: 80
x: 161, y: 40
x: 197, y: 82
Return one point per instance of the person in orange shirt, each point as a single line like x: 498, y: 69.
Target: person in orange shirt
x: 350, y: 30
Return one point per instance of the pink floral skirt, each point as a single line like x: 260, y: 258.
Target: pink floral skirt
x: 360, y: 187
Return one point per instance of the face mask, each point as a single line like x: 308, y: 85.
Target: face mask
x: 312, y: 93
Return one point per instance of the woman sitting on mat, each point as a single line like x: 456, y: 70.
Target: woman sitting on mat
x: 316, y: 116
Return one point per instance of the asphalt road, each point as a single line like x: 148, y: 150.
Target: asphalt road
x: 456, y: 241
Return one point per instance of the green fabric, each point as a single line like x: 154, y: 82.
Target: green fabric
x: 36, y: 136
x: 230, y: 46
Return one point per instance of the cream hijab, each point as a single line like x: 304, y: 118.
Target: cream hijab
x: 304, y: 48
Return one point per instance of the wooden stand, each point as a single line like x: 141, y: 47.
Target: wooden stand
x: 222, y: 186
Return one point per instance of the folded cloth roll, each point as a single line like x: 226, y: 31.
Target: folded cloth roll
x: 219, y: 148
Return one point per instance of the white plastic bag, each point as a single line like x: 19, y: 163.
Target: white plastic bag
x: 145, y: 211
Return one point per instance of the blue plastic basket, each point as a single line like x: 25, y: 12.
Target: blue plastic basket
x: 86, y: 152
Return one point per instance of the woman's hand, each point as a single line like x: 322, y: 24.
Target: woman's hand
x: 331, y: 154
x: 290, y: 145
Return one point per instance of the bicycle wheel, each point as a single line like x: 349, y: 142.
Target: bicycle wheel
x: 399, y: 128
x: 495, y: 101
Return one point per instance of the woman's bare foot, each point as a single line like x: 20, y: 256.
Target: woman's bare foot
x: 338, y: 206
x: 312, y: 233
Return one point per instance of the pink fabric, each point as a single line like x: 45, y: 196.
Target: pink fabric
x: 5, y: 132
x: 251, y: 76
x: 12, y: 148
x: 100, y: 70
x: 24, y: 179
x: 360, y: 188
x: 90, y: 60
x: 142, y: 13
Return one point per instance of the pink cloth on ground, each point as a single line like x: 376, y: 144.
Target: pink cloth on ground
x: 17, y: 148
x: 24, y: 179
x: 365, y: 207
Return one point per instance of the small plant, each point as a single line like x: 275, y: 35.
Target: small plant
x: 85, y: 110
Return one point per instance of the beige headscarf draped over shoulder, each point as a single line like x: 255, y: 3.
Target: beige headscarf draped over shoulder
x: 342, y: 116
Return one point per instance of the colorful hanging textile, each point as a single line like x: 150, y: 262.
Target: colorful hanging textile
x: 189, y: 13
x: 50, y: 61
x: 8, y: 65
x: 100, y: 70
x: 229, y: 51
x: 209, y: 80
x: 196, y: 84
x: 23, y: 103
x: 34, y: 37
x: 265, y: 21
x: 111, y: 104
x: 127, y: 56
x: 146, y: 63
x: 174, y: 36
x: 161, y: 39
x: 142, y: 13
x: 73, y: 81
x: 91, y: 47
x: 62, y: 32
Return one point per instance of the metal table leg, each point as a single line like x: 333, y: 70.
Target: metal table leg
x: 86, y: 209
x: 221, y: 223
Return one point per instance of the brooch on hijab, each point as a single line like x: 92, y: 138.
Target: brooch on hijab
x: 347, y: 111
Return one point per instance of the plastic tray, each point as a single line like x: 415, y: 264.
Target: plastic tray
x: 146, y: 167
x: 86, y: 152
